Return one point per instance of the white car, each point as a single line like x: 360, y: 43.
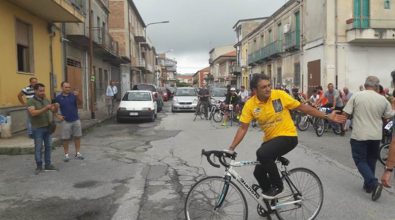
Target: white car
x: 184, y: 99
x: 137, y: 104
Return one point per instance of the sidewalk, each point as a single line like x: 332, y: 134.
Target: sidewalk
x: 21, y: 144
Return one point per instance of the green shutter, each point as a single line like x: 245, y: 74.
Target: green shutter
x: 297, y: 29
x: 361, y: 13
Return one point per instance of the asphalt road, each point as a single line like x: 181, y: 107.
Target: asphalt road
x: 143, y: 170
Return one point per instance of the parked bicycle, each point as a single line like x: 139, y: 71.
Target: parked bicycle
x: 323, y: 125
x: 215, y: 111
x: 219, y: 197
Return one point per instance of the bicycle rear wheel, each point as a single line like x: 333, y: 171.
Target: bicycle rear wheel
x: 303, y: 122
x: 309, y: 191
x: 205, y: 195
x: 383, y: 153
x: 218, y: 116
x: 319, y: 127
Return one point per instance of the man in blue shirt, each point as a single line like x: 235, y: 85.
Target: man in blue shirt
x: 71, y: 124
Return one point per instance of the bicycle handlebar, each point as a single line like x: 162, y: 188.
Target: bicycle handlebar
x: 221, y: 155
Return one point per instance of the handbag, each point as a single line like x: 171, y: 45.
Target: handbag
x: 52, y: 127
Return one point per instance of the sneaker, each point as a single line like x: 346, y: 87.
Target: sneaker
x: 224, y: 124
x: 50, y: 168
x: 66, y: 158
x: 38, y: 170
x: 367, y: 190
x: 78, y: 156
x: 377, y: 191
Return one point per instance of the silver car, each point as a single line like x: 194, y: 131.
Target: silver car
x: 218, y: 94
x: 185, y: 99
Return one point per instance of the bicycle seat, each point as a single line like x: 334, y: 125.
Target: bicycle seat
x: 284, y: 161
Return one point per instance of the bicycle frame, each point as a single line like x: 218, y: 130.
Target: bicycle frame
x: 257, y: 196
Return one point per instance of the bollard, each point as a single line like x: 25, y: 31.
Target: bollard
x: 6, y: 128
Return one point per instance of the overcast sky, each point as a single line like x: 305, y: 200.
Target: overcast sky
x: 197, y: 26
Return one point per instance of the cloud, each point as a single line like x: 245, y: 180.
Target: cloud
x: 197, y: 26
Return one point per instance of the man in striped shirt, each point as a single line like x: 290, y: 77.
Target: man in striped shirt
x: 28, y: 92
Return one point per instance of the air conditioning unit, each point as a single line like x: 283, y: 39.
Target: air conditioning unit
x: 287, y: 28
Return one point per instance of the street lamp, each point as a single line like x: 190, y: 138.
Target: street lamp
x: 159, y: 22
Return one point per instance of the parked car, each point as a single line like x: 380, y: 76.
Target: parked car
x: 185, y: 99
x: 218, y: 94
x: 157, y: 94
x: 137, y: 104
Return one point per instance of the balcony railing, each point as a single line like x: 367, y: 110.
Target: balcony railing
x: 270, y: 50
x: 367, y: 23
x: 291, y: 41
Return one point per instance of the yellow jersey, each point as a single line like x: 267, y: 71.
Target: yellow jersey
x: 273, y: 116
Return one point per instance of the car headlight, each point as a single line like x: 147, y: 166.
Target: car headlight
x: 122, y: 109
x: 147, y: 109
x: 175, y: 100
x: 195, y: 101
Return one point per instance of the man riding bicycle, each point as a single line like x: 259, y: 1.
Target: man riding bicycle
x: 231, y: 103
x: 204, y: 96
x: 271, y: 110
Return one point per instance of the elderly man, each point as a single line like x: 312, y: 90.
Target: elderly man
x: 368, y: 108
x: 347, y: 95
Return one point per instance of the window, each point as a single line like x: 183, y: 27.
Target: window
x: 24, y: 46
x: 387, y: 4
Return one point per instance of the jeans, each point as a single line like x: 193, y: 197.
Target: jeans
x: 29, y: 126
x: 267, y: 173
x: 41, y: 135
x: 205, y: 107
x: 365, y: 155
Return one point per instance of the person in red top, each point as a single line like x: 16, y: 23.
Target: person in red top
x: 322, y: 100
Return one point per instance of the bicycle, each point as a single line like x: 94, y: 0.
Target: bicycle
x: 219, y: 197
x: 323, y: 125
x: 200, y: 111
x: 215, y: 111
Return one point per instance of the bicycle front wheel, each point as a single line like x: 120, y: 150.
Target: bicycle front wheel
x: 303, y: 185
x: 212, y: 198
x: 303, y: 122
x: 218, y: 116
x: 383, y: 153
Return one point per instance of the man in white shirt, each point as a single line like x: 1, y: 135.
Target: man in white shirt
x: 111, y: 93
x: 368, y: 108
x: 243, y: 95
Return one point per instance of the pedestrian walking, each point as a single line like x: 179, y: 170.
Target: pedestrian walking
x: 28, y: 92
x: 368, y: 108
x: 39, y: 109
x: 71, y: 125
x: 111, y: 93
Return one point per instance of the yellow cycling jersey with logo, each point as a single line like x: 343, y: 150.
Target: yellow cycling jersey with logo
x: 273, y: 116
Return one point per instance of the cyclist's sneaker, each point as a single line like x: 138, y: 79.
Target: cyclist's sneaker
x: 224, y: 124
x: 50, y: 168
x: 78, y: 156
x: 38, y: 170
x: 238, y: 117
x: 66, y: 158
x: 377, y: 191
x: 367, y: 189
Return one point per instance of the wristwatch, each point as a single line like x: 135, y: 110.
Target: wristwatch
x: 389, y: 169
x: 326, y: 116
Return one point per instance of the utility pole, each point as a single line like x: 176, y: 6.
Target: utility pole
x: 91, y: 74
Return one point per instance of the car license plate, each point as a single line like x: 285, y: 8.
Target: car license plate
x: 133, y: 113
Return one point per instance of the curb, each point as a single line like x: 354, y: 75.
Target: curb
x: 56, y: 142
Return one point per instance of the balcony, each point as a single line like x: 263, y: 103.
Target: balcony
x: 140, y: 63
x: 236, y: 70
x: 291, y: 41
x: 364, y: 30
x: 103, y: 43
x: 271, y: 50
x: 51, y: 10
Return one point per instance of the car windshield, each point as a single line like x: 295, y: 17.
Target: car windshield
x: 137, y: 96
x: 145, y: 87
x: 185, y: 92
x: 218, y: 92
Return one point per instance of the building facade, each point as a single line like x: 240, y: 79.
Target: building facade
x: 309, y: 43
x: 222, y: 69
x: 202, y: 76
x: 106, y: 59
x: 168, y: 71
x: 128, y: 28
x: 31, y: 42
